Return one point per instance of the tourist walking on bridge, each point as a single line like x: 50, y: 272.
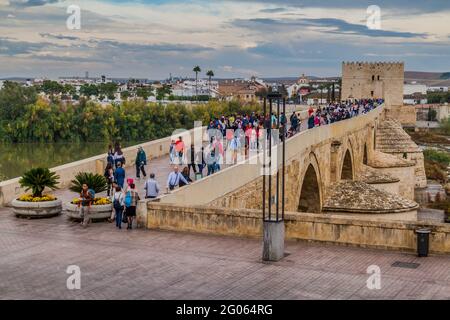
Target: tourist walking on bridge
x: 141, y: 162
x: 185, y: 174
x: 109, y: 175
x: 119, y: 157
x: 151, y: 187
x: 174, y: 179
x: 118, y: 201
x: 180, y: 149
x: 191, y: 163
x: 131, y: 200
x: 119, y: 175
x: 200, y: 160
x: 172, y: 152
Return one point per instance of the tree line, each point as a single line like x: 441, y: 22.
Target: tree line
x: 26, y: 117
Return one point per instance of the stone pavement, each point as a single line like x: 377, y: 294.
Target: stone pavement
x: 148, y: 264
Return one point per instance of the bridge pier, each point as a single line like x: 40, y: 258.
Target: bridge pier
x: 273, y: 240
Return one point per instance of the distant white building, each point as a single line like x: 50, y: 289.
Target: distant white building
x: 190, y: 88
x: 437, y: 89
x: 300, y: 88
x: 411, y: 88
x: 1, y: 83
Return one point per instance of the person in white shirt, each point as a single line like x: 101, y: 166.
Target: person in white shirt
x: 174, y: 179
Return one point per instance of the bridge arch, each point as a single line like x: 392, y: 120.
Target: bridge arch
x: 310, y: 197
x: 347, y: 171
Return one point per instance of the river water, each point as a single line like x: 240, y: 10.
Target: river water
x: 17, y: 158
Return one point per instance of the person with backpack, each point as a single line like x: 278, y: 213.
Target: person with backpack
x: 141, y: 162
x: 87, y: 196
x: 211, y: 160
x: 118, y: 201
x: 109, y: 175
x: 119, y: 175
x: 131, y: 200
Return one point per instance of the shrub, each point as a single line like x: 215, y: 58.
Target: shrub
x: 437, y: 156
x: 95, y: 182
x: 37, y: 179
x: 435, y: 171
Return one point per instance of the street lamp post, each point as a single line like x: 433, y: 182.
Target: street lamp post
x: 273, y: 208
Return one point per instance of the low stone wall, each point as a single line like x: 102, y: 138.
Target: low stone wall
x: 337, y: 229
x: 405, y: 114
x: 10, y: 189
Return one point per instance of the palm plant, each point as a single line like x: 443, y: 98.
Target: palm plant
x: 37, y: 179
x: 94, y: 181
x: 197, y: 70
x: 210, y: 74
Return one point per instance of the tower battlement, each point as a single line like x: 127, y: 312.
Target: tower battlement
x: 376, y: 63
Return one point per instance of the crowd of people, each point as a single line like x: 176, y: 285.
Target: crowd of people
x: 236, y: 134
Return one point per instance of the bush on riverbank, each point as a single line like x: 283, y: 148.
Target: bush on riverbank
x: 34, y: 119
x: 436, y: 163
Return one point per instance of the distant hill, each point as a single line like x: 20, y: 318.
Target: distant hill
x: 438, y: 79
x: 427, y: 75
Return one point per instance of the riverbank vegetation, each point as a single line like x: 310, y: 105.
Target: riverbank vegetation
x: 436, y: 163
x: 26, y: 117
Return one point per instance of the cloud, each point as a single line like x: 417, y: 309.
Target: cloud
x: 58, y: 36
x: 337, y: 26
x: 11, y: 47
x: 398, y: 5
x: 31, y: 3
x: 273, y: 10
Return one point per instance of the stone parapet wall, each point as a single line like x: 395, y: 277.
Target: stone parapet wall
x: 336, y: 229
x: 10, y: 189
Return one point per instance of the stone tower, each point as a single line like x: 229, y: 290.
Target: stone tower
x: 373, y: 80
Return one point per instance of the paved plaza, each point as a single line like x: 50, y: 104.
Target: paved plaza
x: 149, y: 264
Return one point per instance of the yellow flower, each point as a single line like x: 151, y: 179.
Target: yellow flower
x: 101, y: 201
x: 30, y: 198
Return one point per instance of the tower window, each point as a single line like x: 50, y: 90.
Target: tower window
x: 373, y: 78
x: 378, y: 78
x: 371, y: 93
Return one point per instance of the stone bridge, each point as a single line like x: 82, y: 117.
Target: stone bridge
x: 351, y: 182
x: 334, y: 168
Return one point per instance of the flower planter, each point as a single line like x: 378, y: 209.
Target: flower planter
x: 44, y: 209
x: 97, y: 212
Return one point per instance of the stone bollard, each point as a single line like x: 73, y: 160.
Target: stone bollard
x: 141, y: 214
x: 99, y: 167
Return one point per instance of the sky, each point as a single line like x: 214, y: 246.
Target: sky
x: 276, y: 38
